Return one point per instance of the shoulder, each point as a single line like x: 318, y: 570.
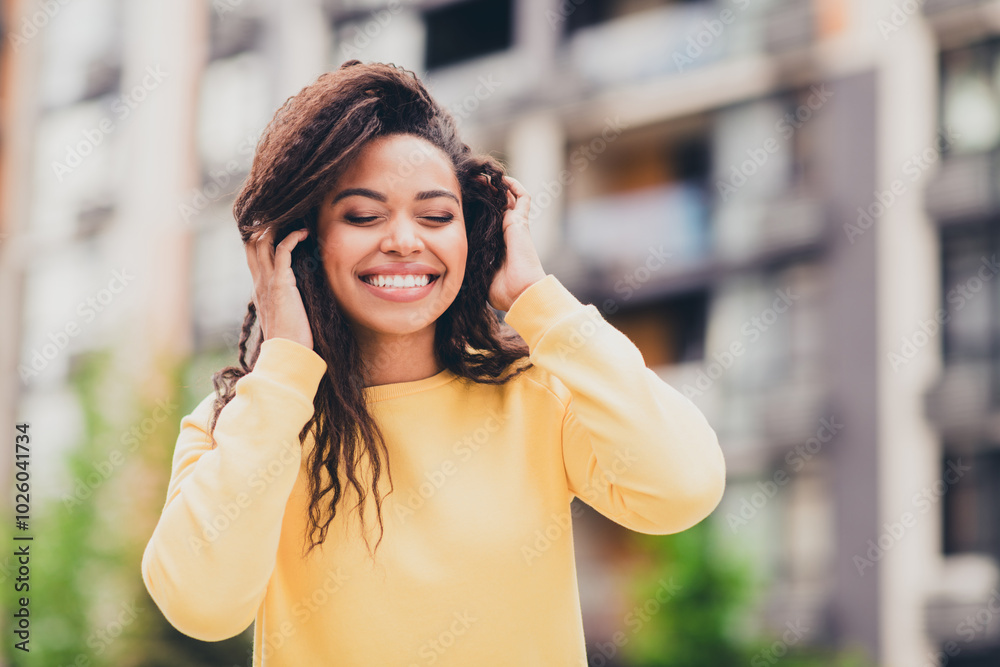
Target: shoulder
x: 203, y: 409
x: 534, y: 383
x: 199, y: 416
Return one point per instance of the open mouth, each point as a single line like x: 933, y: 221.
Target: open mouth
x: 408, y: 281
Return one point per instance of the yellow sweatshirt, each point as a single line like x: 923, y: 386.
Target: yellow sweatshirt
x: 476, y: 567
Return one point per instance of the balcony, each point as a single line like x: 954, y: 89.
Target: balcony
x: 963, y: 404
x: 963, y: 188
x: 968, y: 585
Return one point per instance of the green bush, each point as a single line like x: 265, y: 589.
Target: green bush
x: 704, y: 621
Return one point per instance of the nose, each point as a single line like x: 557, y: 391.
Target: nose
x: 402, y: 236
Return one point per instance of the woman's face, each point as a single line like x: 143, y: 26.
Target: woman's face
x: 392, y: 236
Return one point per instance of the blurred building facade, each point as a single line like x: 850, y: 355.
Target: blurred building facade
x: 789, y: 205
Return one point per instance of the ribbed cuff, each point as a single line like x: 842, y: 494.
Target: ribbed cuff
x: 291, y: 364
x: 539, y: 307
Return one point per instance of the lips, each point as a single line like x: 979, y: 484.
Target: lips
x: 400, y: 281
x: 402, y: 292
x: 400, y: 269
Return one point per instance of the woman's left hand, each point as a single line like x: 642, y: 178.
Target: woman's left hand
x: 522, y: 268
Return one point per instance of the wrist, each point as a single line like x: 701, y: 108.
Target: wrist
x: 523, y: 289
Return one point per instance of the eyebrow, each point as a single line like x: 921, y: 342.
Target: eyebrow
x: 378, y: 196
x: 431, y: 194
x: 360, y: 192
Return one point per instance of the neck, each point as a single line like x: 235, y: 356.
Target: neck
x: 392, y: 358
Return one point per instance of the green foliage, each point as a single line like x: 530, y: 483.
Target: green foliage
x: 67, y: 550
x: 704, y: 620
x: 693, y: 626
x: 89, y: 605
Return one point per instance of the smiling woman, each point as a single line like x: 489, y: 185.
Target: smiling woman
x: 376, y: 227
x: 381, y: 248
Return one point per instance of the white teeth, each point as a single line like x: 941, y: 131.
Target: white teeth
x: 408, y: 280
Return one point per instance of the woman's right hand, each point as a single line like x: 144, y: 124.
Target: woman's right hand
x: 275, y: 294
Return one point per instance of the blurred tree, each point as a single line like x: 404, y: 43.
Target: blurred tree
x: 89, y: 606
x: 701, y: 618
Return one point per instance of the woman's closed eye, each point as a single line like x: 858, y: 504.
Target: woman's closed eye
x: 360, y: 219
x: 363, y: 219
x: 443, y: 217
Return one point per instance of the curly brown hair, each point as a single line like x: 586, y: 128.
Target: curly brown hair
x: 310, y: 141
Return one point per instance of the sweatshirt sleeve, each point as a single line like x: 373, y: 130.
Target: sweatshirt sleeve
x: 213, y: 550
x: 635, y: 449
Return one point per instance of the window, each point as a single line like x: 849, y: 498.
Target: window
x: 468, y: 29
x: 233, y: 33
x: 82, y: 52
x: 971, y: 297
x: 971, y: 492
x: 667, y: 332
x: 634, y: 191
x: 592, y: 12
x: 970, y: 97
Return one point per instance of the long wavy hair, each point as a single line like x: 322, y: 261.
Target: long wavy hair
x: 310, y: 141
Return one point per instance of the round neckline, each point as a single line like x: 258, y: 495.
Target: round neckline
x: 381, y: 392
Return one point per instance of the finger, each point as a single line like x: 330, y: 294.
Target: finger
x: 265, y: 252
x: 251, y: 250
x: 283, y: 252
x: 523, y: 199
x: 515, y: 186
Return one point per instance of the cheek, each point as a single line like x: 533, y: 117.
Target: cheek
x: 336, y: 252
x: 461, y: 246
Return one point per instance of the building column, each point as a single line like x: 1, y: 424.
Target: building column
x: 165, y: 49
x: 909, y: 292
x: 847, y: 144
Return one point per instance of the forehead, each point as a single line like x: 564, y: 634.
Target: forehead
x: 399, y: 163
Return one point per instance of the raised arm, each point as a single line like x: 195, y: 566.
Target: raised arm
x: 635, y: 448
x: 213, y: 550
